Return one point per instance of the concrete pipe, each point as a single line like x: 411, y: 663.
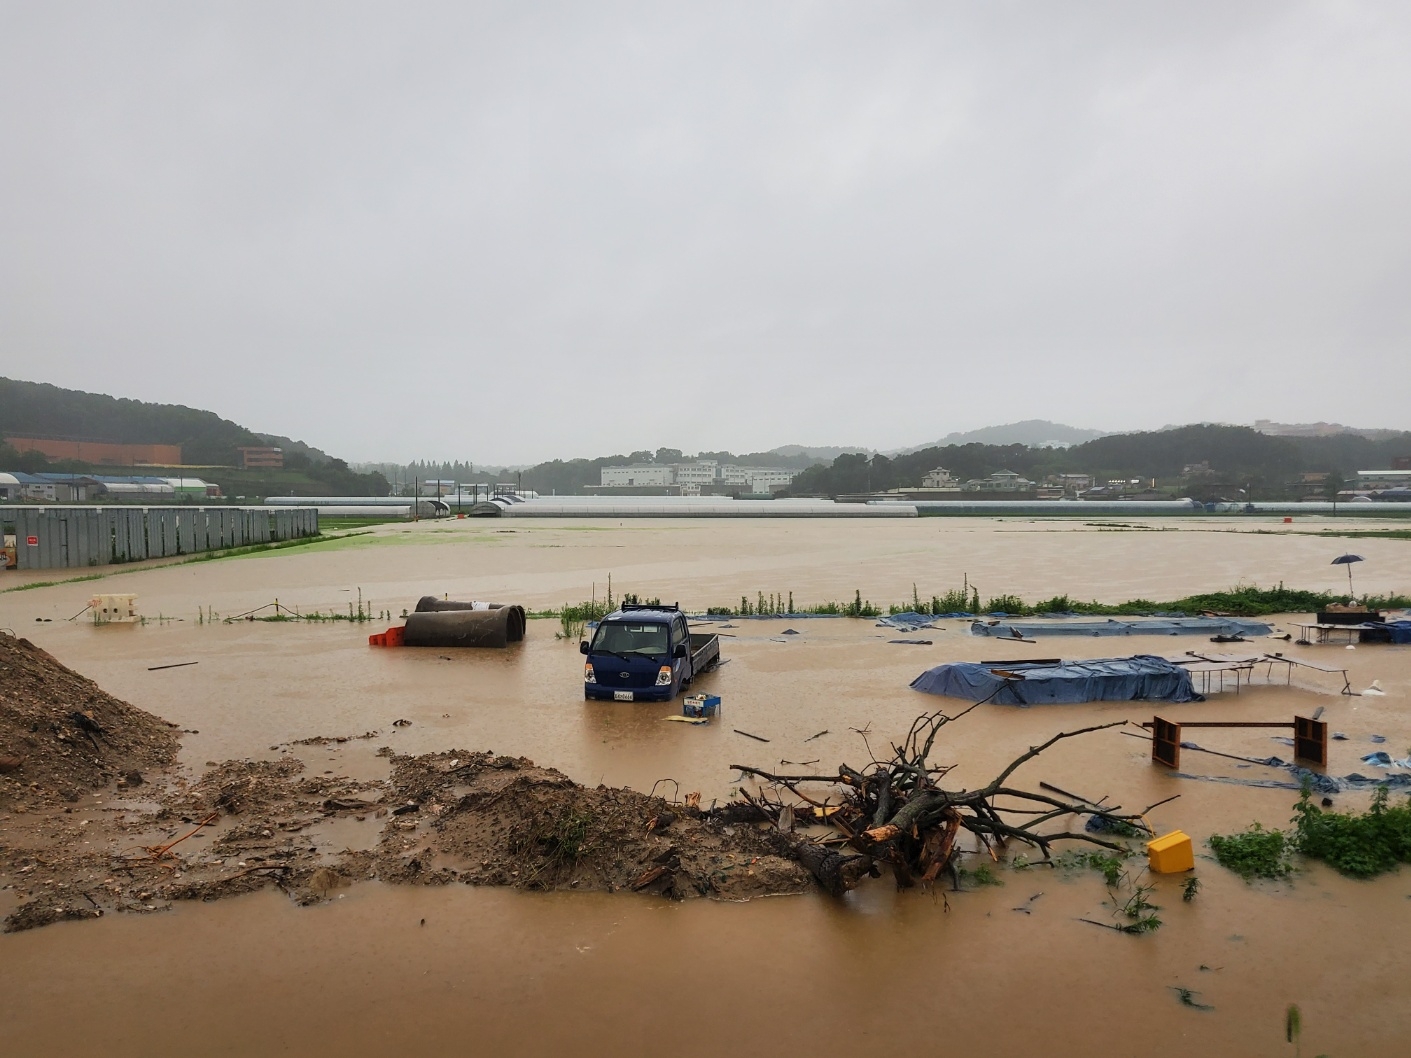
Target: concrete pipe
x: 431, y: 604
x: 465, y: 628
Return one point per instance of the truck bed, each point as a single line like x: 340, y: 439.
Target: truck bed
x: 705, y: 651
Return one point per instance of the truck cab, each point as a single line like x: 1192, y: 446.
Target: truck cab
x: 644, y: 654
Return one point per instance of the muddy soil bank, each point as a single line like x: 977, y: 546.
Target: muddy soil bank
x: 84, y: 832
x: 454, y: 816
x: 62, y: 736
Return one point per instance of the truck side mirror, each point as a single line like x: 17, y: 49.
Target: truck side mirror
x: 680, y: 651
x: 582, y: 646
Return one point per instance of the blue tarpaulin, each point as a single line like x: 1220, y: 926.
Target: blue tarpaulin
x: 1143, y: 677
x: 1396, y: 632
x: 907, y: 622
x: 1116, y: 626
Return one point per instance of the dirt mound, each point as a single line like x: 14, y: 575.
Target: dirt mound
x: 473, y: 818
x: 61, y: 735
x: 485, y: 820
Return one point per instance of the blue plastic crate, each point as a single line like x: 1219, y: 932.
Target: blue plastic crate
x: 701, y: 705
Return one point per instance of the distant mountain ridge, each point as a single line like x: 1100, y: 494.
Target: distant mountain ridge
x: 826, y: 454
x: 1319, y: 429
x: 1031, y: 432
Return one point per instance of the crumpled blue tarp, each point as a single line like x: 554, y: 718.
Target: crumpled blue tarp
x: 1323, y: 784
x: 906, y: 622
x: 1399, y: 631
x: 1383, y: 759
x: 1170, y: 626
x: 1143, y: 677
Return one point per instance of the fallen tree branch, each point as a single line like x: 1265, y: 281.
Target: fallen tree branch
x: 895, y: 813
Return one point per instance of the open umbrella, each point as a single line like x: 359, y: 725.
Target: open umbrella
x: 1347, y: 560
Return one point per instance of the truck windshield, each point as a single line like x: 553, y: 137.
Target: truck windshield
x: 626, y: 638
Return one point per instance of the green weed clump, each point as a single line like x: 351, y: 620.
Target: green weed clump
x: 560, y: 838
x: 1362, y: 846
x: 574, y: 618
x: 1108, y: 864
x: 1255, y: 853
x: 779, y: 604
x: 982, y: 875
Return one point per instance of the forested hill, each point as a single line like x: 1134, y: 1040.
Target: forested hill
x: 40, y: 410
x: 1239, y: 457
x: 37, y: 409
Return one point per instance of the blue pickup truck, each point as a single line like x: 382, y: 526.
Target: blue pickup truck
x: 645, y: 654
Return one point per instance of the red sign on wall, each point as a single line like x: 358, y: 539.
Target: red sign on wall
x: 32, y: 541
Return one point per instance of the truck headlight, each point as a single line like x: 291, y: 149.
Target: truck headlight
x: 664, y: 676
x: 589, y: 676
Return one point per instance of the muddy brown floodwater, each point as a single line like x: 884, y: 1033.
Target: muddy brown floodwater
x: 997, y: 970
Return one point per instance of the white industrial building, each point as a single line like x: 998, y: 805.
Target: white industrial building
x: 636, y: 474
x: 694, y: 476
x: 769, y: 479
x: 1383, y: 479
x: 703, y: 472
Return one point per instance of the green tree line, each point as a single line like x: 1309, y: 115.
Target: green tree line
x: 1239, y: 458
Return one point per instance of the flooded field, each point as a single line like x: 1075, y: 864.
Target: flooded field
x: 996, y: 970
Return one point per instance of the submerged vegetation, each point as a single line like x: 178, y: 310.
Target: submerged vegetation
x: 1245, y: 600
x: 1359, y: 845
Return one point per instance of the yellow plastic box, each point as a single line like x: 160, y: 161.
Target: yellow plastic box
x: 1170, y: 853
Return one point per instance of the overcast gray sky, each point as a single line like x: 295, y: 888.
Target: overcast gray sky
x: 508, y: 232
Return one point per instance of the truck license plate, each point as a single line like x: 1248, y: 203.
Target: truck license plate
x: 622, y: 696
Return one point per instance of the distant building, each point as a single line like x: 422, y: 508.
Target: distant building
x: 53, y: 488
x: 1000, y: 481
x: 940, y: 478
x: 104, y: 453
x: 1073, y: 483
x: 694, y: 477
x: 770, y: 479
x: 703, y: 472
x: 1312, y: 483
x: 1383, y: 479
x: 138, y: 490
x: 261, y: 457
x: 637, y: 474
x: 1401, y: 463
x: 192, y: 488
x: 1194, y: 470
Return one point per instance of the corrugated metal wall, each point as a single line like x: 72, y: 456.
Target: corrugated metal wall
x: 66, y: 537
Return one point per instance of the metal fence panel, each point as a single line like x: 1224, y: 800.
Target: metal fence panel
x: 186, y: 541
x: 27, y: 540
x: 79, y: 552
x: 137, y: 549
x: 117, y: 521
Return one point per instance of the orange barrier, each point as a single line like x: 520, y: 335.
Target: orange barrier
x: 390, y: 638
